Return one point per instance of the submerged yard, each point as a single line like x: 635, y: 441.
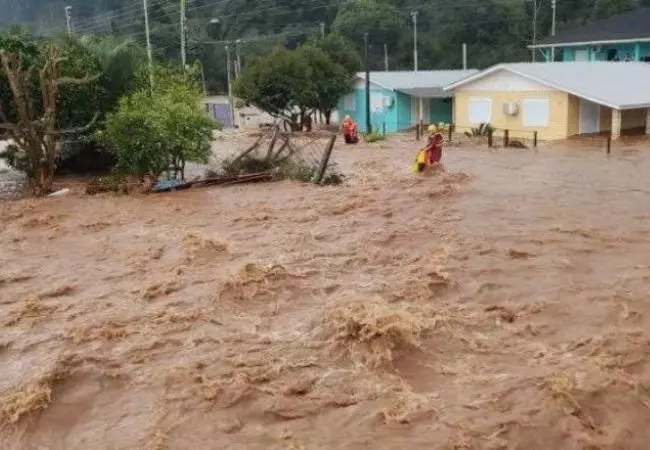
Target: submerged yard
x: 500, y: 304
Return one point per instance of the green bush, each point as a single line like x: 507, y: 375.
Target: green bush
x: 484, y: 129
x: 374, y: 137
x: 151, y: 133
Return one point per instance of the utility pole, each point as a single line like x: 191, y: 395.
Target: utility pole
x: 414, y: 16
x: 183, y: 55
x: 365, y: 63
x: 386, y: 57
x: 554, y: 8
x: 237, y: 59
x: 464, y: 56
x: 146, y: 29
x: 231, y: 102
x: 536, y: 5
x: 322, y: 30
x: 68, y: 19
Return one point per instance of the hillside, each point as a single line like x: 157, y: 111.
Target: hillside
x: 495, y: 30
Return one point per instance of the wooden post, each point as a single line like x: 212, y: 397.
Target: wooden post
x: 383, y: 128
x: 609, y: 144
x: 417, y: 132
x: 506, y: 138
x: 274, y: 139
x: 535, y: 139
x: 421, y: 127
x: 490, y: 138
x: 326, y: 157
x: 450, y: 132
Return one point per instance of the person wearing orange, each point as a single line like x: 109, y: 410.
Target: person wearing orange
x: 432, y: 153
x: 434, y: 146
x: 349, y: 129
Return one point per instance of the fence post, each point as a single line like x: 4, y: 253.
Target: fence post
x: 383, y: 128
x: 535, y: 139
x: 451, y: 130
x: 609, y: 144
x: 490, y: 131
x: 417, y: 132
x: 326, y: 158
x: 506, y: 138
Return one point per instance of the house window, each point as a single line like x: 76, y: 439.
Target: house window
x: 480, y: 110
x: 349, y: 102
x: 535, y: 112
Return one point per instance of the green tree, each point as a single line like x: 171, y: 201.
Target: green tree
x: 331, y: 80
x: 382, y: 20
x: 281, y: 85
x: 34, y: 77
x: 152, y: 132
x: 606, y: 8
x: 340, y: 51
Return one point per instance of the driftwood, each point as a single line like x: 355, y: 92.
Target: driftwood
x: 220, y: 181
x: 249, y: 149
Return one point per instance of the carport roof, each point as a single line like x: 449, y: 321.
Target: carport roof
x: 617, y: 85
x: 424, y: 83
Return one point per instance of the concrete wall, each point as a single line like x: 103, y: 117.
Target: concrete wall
x: 502, y: 87
x: 379, y: 116
x: 404, y: 116
x: 573, y: 116
x: 558, y: 112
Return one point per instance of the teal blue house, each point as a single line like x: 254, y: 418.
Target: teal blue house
x: 401, y: 99
x: 622, y: 37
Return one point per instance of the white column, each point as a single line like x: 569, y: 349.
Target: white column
x: 616, y: 123
x: 647, y: 121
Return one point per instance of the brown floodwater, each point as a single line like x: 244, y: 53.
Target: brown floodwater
x: 501, y: 304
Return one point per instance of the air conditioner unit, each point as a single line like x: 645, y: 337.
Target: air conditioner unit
x: 510, y: 108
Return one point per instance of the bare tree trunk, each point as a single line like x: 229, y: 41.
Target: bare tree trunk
x: 37, y: 135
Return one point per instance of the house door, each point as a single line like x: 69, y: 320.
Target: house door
x: 589, y: 117
x: 582, y: 55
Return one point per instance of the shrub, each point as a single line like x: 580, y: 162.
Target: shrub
x: 374, y: 137
x: 155, y: 132
x: 484, y: 129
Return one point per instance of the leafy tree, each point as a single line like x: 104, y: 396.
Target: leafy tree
x: 606, y: 8
x: 281, y: 85
x: 331, y: 80
x: 382, y: 20
x: 35, y: 77
x: 152, y: 132
x: 340, y: 51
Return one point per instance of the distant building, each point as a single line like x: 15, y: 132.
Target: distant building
x: 218, y: 108
x: 557, y: 100
x: 399, y: 100
x: 622, y: 37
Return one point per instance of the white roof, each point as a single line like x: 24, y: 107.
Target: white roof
x: 618, y: 85
x: 424, y: 83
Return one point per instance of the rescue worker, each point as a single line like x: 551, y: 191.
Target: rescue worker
x: 432, y: 153
x: 349, y: 129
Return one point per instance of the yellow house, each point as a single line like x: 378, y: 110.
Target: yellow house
x: 556, y: 99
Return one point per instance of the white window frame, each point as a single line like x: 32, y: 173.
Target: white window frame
x: 473, y: 120
x: 529, y: 105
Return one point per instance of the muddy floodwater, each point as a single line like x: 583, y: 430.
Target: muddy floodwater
x: 502, y: 304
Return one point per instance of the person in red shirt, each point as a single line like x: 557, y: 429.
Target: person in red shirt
x: 434, y: 146
x: 349, y: 129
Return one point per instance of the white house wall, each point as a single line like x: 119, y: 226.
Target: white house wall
x: 503, y: 80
